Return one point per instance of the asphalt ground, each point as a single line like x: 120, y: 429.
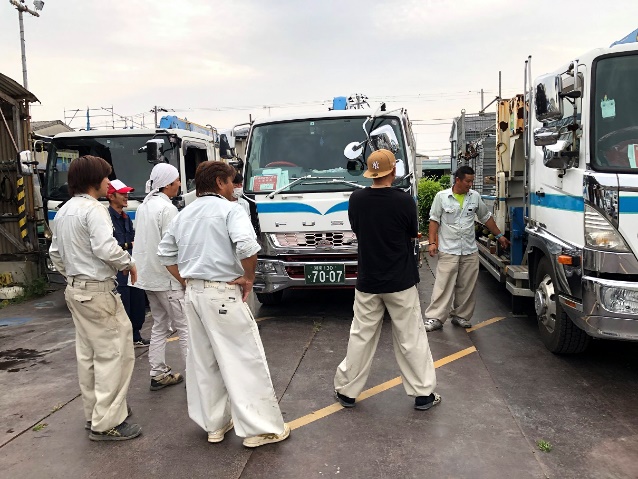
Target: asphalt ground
x: 502, y: 393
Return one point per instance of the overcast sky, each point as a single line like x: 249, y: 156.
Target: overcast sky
x: 217, y: 62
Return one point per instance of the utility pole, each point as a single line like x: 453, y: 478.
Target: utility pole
x: 21, y: 8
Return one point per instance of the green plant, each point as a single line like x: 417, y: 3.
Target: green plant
x: 40, y: 426
x: 33, y: 289
x: 428, y: 188
x: 544, y: 445
x: 445, y: 181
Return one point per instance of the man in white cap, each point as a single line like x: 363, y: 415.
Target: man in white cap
x: 165, y: 293
x: 385, y: 222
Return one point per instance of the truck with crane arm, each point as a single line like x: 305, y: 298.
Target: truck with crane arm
x: 566, y: 194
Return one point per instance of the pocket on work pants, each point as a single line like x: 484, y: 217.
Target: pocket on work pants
x: 95, y: 317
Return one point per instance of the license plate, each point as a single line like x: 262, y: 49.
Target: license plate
x: 325, y: 273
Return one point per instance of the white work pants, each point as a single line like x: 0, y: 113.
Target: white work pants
x: 455, y: 285
x: 227, y: 370
x: 410, y: 340
x: 167, y: 309
x: 104, y: 349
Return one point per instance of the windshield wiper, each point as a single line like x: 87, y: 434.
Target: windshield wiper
x: 298, y: 180
x: 339, y: 181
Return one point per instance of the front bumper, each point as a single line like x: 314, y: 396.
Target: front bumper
x: 597, y: 316
x: 278, y: 274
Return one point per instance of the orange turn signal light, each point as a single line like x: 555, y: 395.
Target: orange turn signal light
x: 565, y: 259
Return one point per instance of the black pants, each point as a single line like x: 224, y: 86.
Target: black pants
x: 134, y: 300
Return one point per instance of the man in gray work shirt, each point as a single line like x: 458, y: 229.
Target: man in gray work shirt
x: 451, y: 236
x: 85, y: 252
x: 212, y: 247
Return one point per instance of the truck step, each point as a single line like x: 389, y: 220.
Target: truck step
x: 517, y: 271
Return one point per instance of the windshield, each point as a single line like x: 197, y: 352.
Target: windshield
x: 129, y: 165
x: 615, y: 115
x: 280, y: 153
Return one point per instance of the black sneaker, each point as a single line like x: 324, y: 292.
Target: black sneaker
x: 345, y: 401
x: 129, y: 412
x: 123, y: 432
x: 423, y: 403
x: 141, y: 343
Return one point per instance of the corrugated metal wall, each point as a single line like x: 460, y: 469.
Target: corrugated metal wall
x: 8, y: 181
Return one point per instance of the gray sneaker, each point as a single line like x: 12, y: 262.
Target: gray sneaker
x: 463, y: 323
x: 123, y: 432
x: 432, y: 324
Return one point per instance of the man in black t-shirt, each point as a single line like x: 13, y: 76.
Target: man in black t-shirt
x: 385, y: 222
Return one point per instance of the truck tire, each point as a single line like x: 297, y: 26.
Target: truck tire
x: 270, y: 299
x: 558, y: 333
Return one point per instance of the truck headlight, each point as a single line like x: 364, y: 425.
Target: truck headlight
x: 601, y: 234
x: 265, y: 267
x: 619, y: 300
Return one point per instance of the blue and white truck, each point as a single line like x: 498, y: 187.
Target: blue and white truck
x: 566, y: 194
x: 132, y: 153
x: 299, y: 173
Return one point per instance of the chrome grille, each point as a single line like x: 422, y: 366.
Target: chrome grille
x: 314, y: 239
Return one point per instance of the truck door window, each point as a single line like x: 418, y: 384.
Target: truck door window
x: 194, y: 154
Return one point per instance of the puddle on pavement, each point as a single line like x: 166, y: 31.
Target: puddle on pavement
x: 12, y: 360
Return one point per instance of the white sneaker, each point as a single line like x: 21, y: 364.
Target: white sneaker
x: 263, y: 439
x: 432, y: 324
x: 218, y: 436
x: 463, y: 323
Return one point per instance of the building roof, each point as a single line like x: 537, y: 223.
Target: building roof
x: 41, y: 125
x: 14, y: 90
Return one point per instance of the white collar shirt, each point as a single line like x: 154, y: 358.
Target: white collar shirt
x: 83, y: 245
x: 456, y: 223
x: 208, y: 240
x: 151, y: 222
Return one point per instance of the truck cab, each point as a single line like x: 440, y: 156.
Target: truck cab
x: 132, y: 154
x: 298, y: 180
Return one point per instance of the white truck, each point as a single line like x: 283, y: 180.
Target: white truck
x: 567, y: 197
x: 132, y: 154
x: 298, y: 182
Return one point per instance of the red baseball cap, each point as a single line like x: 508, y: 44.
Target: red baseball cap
x: 118, y: 186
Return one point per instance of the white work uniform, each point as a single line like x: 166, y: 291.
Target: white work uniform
x: 84, y: 250
x: 458, y: 264
x: 227, y: 370
x: 165, y: 293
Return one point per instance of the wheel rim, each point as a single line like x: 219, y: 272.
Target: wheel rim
x: 545, y: 304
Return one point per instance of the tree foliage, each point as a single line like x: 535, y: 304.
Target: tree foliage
x: 428, y: 188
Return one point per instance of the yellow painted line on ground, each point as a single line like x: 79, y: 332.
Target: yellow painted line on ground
x: 264, y: 318
x: 333, y: 408
x: 485, y: 323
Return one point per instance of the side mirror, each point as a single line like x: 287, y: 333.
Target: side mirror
x: 154, y: 150
x: 355, y: 167
x: 225, y: 150
x: 549, y: 103
x: 353, y: 150
x: 384, y: 138
x: 559, y: 156
x: 546, y: 136
x: 26, y: 160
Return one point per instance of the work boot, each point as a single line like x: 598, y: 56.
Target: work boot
x: 463, y: 323
x: 168, y: 379
x: 263, y: 439
x: 432, y: 325
x: 129, y: 411
x: 218, y: 436
x: 423, y: 403
x: 122, y: 432
x: 141, y: 343
x: 345, y: 401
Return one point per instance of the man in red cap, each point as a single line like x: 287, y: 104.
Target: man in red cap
x: 134, y: 299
